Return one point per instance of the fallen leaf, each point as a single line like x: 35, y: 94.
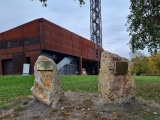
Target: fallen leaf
x: 155, y: 113
x: 148, y: 110
x: 145, y: 113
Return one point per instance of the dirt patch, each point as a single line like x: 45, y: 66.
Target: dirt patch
x: 81, y: 106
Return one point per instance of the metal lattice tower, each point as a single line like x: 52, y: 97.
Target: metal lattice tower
x: 96, y: 22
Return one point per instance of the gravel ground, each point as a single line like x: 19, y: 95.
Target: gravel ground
x: 81, y: 106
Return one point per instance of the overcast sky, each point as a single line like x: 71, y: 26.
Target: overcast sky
x: 68, y: 14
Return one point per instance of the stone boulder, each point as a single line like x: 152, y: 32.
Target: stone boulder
x: 112, y: 87
x: 47, y: 87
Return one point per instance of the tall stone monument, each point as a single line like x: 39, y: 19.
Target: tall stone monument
x: 115, y: 82
x: 47, y: 87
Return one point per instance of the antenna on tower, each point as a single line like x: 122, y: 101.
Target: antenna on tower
x: 96, y: 22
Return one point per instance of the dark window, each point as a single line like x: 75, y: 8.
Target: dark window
x: 17, y: 43
x: 3, y: 45
x: 8, y: 44
x: 31, y: 41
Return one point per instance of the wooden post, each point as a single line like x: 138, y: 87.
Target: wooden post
x: 80, y: 66
x: 1, y: 71
x: 98, y: 67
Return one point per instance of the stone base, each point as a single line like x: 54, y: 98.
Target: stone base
x: 114, y: 88
x: 47, y: 87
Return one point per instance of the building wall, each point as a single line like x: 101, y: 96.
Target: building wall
x: 62, y: 40
x: 25, y: 43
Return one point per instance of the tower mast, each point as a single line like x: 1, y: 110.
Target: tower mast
x: 96, y: 22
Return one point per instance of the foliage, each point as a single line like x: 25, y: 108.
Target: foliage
x: 148, y: 65
x: 81, y: 2
x: 154, y: 64
x: 156, y: 60
x: 143, y: 25
x: 139, y: 63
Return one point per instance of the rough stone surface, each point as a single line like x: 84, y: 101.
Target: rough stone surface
x: 47, y: 87
x: 114, y: 88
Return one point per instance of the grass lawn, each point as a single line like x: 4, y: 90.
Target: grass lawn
x: 148, y: 87
x: 14, y: 87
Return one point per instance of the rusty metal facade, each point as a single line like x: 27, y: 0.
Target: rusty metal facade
x: 26, y: 42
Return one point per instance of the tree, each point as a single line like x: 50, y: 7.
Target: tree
x: 142, y: 64
x: 154, y: 64
x: 152, y: 69
x: 143, y: 25
x: 139, y: 63
x: 45, y: 4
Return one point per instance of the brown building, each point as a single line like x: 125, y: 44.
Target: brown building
x: 26, y: 42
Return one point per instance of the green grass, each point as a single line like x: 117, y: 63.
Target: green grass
x: 80, y: 83
x: 150, y: 116
x: 14, y: 87
x: 148, y: 87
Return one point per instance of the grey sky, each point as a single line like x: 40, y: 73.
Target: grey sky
x: 70, y: 15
